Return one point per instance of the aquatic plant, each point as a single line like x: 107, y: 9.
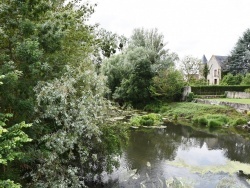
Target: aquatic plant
x: 151, y: 119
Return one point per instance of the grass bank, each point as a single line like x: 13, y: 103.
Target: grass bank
x: 199, y: 114
x: 241, y: 101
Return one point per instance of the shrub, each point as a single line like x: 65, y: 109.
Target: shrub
x: 215, y: 89
x: 213, y: 123
x: 202, y: 121
x: 146, y: 120
x: 190, y: 97
x: 247, y: 90
x: 248, y: 113
x: 239, y: 121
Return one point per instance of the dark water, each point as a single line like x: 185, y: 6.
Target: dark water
x: 180, y: 156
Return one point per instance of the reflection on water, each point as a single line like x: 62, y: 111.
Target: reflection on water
x: 180, y: 156
x: 201, y: 156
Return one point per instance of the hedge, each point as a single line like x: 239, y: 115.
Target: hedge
x: 216, y: 89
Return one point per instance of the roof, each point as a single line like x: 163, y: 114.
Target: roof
x: 221, y: 60
x: 204, y: 59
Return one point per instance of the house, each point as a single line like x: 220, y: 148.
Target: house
x: 216, y: 66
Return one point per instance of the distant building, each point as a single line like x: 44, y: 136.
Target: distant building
x: 216, y: 66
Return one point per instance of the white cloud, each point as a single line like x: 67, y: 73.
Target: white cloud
x: 191, y: 27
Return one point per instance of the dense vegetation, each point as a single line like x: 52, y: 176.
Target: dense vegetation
x: 59, y: 77
x: 47, y: 56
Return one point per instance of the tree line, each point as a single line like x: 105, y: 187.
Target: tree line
x: 59, y: 79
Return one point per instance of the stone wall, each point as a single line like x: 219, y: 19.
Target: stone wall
x: 186, y: 91
x: 237, y: 95
x: 237, y: 106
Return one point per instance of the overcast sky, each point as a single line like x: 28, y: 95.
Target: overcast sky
x: 190, y: 27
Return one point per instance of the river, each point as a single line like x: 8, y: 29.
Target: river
x: 180, y: 156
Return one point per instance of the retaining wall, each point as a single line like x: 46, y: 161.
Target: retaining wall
x: 237, y: 106
x: 237, y: 95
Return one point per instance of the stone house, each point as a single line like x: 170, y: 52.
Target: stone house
x: 216, y: 66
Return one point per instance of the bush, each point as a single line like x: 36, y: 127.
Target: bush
x: 214, y: 123
x: 230, y: 79
x: 190, y: 97
x: 202, y: 121
x: 167, y: 85
x: 211, y: 121
x: 216, y: 90
x: 146, y: 120
x: 239, y: 121
x: 247, y: 90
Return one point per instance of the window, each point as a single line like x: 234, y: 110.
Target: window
x: 215, y: 73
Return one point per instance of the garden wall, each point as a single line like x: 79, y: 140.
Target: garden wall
x: 237, y: 106
x: 237, y: 95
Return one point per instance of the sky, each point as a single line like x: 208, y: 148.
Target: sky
x: 190, y: 27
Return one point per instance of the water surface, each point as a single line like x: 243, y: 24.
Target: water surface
x: 180, y: 156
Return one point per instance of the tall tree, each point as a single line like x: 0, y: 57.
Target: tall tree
x: 153, y: 42
x: 38, y: 38
x: 190, y: 67
x: 239, y: 59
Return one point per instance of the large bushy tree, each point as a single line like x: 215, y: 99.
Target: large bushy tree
x: 46, y: 45
x: 239, y: 59
x: 38, y: 38
x: 80, y: 144
x: 167, y: 85
x: 130, y: 74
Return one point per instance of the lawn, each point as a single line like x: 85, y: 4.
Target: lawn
x: 241, y: 101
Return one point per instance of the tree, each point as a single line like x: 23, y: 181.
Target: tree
x: 230, y: 79
x: 38, y: 38
x: 153, y: 42
x: 136, y: 81
x: 190, y: 67
x: 239, y: 59
x: 12, y: 139
x: 167, y: 84
x: 246, y: 80
x: 80, y: 144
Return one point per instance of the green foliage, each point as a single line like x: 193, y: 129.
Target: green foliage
x: 146, y: 120
x: 167, y: 84
x: 9, y: 184
x: 247, y: 90
x: 78, y: 144
x: 230, y: 79
x: 190, y: 97
x: 239, y: 121
x: 214, y: 123
x: 153, y: 42
x: 134, y: 87
x: 38, y: 38
x: 202, y: 121
x: 199, y: 82
x: 130, y: 74
x: 239, y: 59
x: 215, y: 89
x: 205, y: 71
x: 211, y: 121
x: 12, y: 139
x: 246, y: 80
x: 110, y: 42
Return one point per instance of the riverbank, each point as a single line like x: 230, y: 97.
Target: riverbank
x: 207, y: 115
